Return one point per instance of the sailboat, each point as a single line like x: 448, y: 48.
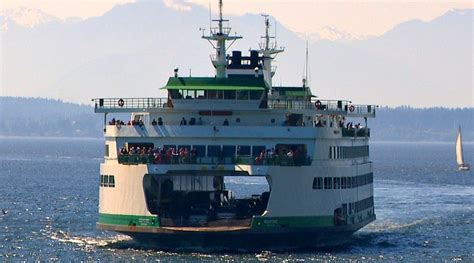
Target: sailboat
x: 459, y: 153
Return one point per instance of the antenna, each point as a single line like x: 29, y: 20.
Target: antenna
x: 220, y: 9
x: 210, y: 17
x: 275, y: 34
x: 306, y: 62
x: 305, y: 78
x: 220, y: 16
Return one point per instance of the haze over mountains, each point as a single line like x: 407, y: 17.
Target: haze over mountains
x: 131, y: 50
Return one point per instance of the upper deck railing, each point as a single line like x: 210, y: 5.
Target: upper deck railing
x: 334, y: 106
x: 103, y: 104
x: 320, y: 106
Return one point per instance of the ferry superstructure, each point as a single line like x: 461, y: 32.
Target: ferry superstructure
x: 162, y: 180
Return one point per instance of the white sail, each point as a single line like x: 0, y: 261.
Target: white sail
x: 459, y: 157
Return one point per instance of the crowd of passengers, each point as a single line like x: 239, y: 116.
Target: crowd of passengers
x: 184, y: 155
x: 342, y: 124
x: 163, y: 155
x: 193, y: 121
x: 117, y: 122
x: 154, y: 122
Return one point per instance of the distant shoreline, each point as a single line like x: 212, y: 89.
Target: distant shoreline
x: 101, y: 138
x: 51, y: 137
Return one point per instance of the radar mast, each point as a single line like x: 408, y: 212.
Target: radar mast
x: 220, y: 35
x: 269, y: 50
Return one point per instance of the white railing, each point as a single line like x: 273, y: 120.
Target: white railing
x: 330, y: 106
x: 130, y: 103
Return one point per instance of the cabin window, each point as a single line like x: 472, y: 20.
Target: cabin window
x: 242, y: 95
x: 213, y: 150
x: 215, y: 94
x: 343, y: 182
x: 111, y: 181
x: 175, y: 94
x: 255, y: 94
x: 229, y: 94
x: 106, y: 150
x: 200, y: 94
x: 200, y: 150
x: 318, y: 183
x: 228, y: 150
x: 107, y: 180
x: 327, y: 182
x: 256, y: 150
x: 243, y: 150
x: 189, y: 94
x: 337, y: 183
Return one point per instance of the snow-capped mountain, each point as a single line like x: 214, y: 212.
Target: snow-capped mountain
x: 131, y: 51
x: 331, y: 33
x: 25, y: 17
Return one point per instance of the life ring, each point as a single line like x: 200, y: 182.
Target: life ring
x: 351, y: 108
x: 121, y: 102
x: 317, y: 104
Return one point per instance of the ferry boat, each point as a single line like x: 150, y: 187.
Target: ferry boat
x: 163, y: 178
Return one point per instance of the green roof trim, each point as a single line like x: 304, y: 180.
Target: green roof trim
x: 298, y: 93
x: 200, y: 83
x: 294, y: 91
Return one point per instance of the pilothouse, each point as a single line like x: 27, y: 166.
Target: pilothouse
x: 163, y: 178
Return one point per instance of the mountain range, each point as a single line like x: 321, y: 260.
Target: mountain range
x: 131, y: 50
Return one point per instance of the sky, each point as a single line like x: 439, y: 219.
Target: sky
x: 303, y: 16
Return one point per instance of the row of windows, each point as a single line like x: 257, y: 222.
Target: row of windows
x: 217, y: 150
x: 361, y: 205
x: 342, y: 182
x: 216, y: 94
x: 107, y: 180
x: 343, y: 152
x: 221, y: 151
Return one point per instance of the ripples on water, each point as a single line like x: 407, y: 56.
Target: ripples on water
x: 49, y: 193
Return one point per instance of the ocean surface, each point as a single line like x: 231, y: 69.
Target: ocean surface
x: 49, y: 194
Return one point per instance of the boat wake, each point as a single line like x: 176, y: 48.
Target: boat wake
x: 87, y: 242
x: 387, y: 225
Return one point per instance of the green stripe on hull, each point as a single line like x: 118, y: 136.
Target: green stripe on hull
x: 129, y: 220
x: 292, y: 222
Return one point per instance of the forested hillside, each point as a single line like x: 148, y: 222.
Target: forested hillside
x: 46, y: 117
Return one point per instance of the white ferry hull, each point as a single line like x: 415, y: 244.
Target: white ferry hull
x: 162, y: 179
x: 242, y: 239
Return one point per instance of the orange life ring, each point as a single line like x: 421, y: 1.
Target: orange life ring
x: 351, y: 108
x: 121, y: 102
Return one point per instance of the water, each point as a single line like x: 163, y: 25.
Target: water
x: 49, y: 189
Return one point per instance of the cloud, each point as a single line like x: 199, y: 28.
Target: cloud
x: 179, y: 5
